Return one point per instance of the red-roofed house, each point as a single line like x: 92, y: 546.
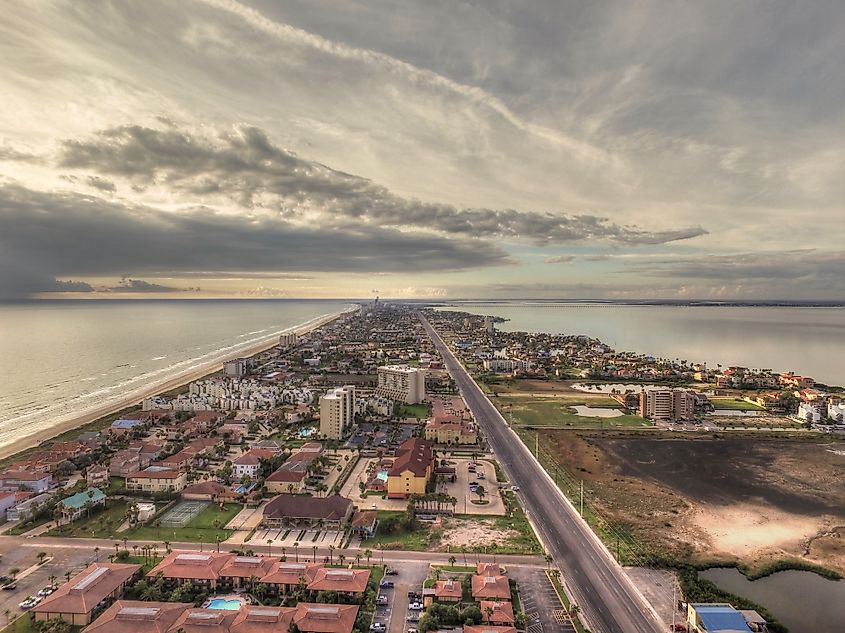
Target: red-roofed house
x: 78, y: 600
x: 491, y: 588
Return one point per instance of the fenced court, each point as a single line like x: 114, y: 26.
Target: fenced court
x: 182, y: 513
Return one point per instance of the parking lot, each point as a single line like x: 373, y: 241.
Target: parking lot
x: 393, y: 616
x: 30, y: 579
x: 543, y: 611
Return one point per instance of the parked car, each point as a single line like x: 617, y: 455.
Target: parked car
x: 10, y: 586
x: 382, y: 600
x: 388, y: 584
x: 391, y: 572
x: 30, y: 602
x: 378, y: 627
x: 46, y: 591
x: 412, y: 630
x: 415, y: 606
x: 515, y: 488
x: 413, y: 617
x: 482, y: 476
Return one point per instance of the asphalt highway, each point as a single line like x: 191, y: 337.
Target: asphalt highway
x: 608, y: 600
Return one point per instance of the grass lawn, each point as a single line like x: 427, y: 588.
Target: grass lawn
x: 420, y: 411
x: 417, y: 541
x: 102, y: 524
x: 26, y: 527
x: 206, y: 527
x: 734, y: 405
x: 554, y: 413
x: 24, y: 624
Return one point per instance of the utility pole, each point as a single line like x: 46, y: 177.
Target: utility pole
x: 537, y: 445
x: 582, y: 498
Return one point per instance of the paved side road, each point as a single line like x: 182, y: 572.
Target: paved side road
x: 608, y: 600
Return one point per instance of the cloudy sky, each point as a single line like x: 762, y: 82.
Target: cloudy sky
x: 475, y: 149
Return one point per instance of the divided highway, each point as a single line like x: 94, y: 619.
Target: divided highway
x: 608, y: 599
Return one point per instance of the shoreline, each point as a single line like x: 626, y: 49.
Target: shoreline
x: 137, y: 396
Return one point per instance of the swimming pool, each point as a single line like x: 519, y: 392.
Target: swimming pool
x: 225, y: 604
x: 382, y: 474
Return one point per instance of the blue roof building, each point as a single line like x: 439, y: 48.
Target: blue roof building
x: 716, y: 618
x: 125, y: 424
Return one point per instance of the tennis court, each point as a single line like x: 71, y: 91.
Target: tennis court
x: 182, y: 513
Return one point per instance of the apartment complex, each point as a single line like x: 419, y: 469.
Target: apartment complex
x: 667, y: 405
x: 337, y: 412
x: 411, y: 470
x: 402, y: 383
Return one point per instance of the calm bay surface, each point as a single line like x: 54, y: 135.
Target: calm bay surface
x: 58, y: 358
x: 809, y: 341
x: 803, y: 601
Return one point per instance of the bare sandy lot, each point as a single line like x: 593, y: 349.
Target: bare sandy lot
x: 459, y: 533
x: 747, y: 497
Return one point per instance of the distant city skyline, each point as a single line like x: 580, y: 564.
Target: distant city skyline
x: 215, y: 148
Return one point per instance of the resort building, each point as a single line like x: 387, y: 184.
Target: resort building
x: 448, y: 591
x: 412, y: 469
x: 343, y: 581
x: 249, y: 464
x: 28, y: 507
x: 301, y: 511
x: 209, y: 491
x: 290, y: 478
x: 667, y: 405
x: 81, y: 503
x: 200, y: 569
x: 130, y: 616
x: 490, y: 588
x: 488, y: 628
x: 124, y: 463
x: 80, y: 599
x: 337, y: 412
x: 497, y: 612
x: 285, y: 576
x: 97, y: 475
x: 157, y: 479
x: 135, y: 616
x: 34, y: 481
x: 401, y: 383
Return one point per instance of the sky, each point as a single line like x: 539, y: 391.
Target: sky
x: 406, y: 149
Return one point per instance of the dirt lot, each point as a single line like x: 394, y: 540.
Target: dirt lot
x: 750, y: 497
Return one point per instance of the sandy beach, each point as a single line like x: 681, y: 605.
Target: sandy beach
x: 135, y: 397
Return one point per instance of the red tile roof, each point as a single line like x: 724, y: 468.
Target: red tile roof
x: 491, y: 587
x: 82, y: 593
x: 135, y: 616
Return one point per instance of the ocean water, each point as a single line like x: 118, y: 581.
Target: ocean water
x: 808, y: 341
x: 60, y: 358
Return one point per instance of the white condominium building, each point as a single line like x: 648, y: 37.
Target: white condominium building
x: 402, y: 383
x: 337, y: 412
x: 667, y: 404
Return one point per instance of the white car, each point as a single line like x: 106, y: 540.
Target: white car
x: 46, y: 591
x: 30, y: 602
x: 415, y: 606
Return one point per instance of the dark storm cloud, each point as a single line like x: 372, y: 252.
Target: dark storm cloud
x: 245, y: 166
x: 102, y: 184
x: 791, y: 266
x: 65, y: 234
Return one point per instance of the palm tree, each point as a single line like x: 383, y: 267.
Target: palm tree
x: 341, y: 558
x: 296, y: 550
x: 488, y: 611
x: 14, y: 571
x: 41, y: 556
x: 67, y: 575
x: 167, y: 546
x: 452, y: 561
x: 314, y: 559
x: 549, y: 560
x: 368, y: 553
x: 331, y: 553
x: 269, y: 547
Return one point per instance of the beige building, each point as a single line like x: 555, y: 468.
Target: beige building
x: 402, y: 383
x: 337, y: 412
x: 157, y: 479
x: 667, y: 405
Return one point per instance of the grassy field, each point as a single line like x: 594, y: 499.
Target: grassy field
x: 734, y: 405
x: 554, y: 413
x: 24, y: 624
x: 102, y: 524
x: 207, y: 527
x: 418, y: 540
x: 420, y: 411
